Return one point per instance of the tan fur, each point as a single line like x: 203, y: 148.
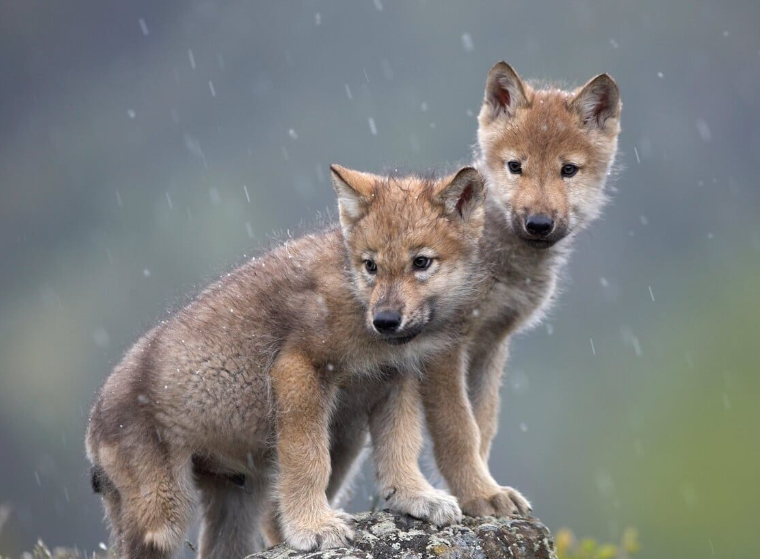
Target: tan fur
x: 544, y: 129
x: 242, y: 400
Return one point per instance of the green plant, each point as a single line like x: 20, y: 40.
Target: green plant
x: 569, y: 547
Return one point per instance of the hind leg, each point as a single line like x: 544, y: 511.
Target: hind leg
x: 112, y: 505
x: 229, y: 517
x: 348, y: 438
x: 270, y: 525
x: 151, y: 502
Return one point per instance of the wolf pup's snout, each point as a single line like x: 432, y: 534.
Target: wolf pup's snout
x: 386, y: 321
x: 539, y: 225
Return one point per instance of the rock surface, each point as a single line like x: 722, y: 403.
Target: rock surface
x: 386, y: 535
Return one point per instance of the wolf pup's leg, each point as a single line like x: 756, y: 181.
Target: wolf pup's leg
x: 304, y: 403
x: 456, y: 441
x: 230, y: 511
x: 149, y: 498
x: 486, y: 369
x: 346, y: 443
x: 112, y: 505
x: 396, y: 429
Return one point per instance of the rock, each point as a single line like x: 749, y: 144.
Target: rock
x: 385, y: 535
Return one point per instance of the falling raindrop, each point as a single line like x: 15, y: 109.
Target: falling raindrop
x: 704, y: 130
x: 467, y: 43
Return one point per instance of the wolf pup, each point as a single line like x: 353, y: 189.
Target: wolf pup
x: 545, y: 155
x: 237, y: 398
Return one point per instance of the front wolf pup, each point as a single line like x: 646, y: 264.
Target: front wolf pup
x: 545, y: 155
x: 230, y: 401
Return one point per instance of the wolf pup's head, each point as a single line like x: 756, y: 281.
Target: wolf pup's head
x: 412, y: 244
x: 546, y: 153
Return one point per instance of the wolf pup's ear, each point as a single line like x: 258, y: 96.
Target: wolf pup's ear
x: 463, y: 195
x: 597, y: 101
x: 504, y: 91
x: 355, y: 191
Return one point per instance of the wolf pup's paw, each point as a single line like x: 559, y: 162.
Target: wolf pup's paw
x: 333, y: 530
x: 431, y: 505
x: 503, y: 502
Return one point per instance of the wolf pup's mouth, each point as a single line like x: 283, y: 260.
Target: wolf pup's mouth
x: 400, y: 340
x: 539, y: 243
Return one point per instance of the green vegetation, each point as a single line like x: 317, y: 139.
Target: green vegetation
x: 569, y: 547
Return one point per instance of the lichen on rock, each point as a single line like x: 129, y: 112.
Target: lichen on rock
x: 386, y: 535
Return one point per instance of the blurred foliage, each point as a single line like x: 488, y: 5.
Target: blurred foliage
x: 569, y: 547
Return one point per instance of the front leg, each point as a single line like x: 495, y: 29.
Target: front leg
x: 456, y: 441
x: 485, y: 371
x: 396, y: 429
x: 304, y: 402
x: 347, y: 439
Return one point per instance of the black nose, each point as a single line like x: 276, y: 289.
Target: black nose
x: 539, y: 225
x: 386, y: 322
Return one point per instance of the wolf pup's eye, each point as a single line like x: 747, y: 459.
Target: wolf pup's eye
x: 569, y: 170
x: 422, y: 263
x: 515, y: 167
x: 371, y: 266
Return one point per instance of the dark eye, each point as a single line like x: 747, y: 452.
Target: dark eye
x: 422, y: 263
x: 569, y: 170
x: 371, y: 266
x: 515, y: 167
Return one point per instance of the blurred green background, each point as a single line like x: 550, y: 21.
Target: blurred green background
x: 133, y: 134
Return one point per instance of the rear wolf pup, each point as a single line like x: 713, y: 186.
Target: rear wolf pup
x: 545, y: 155
x: 234, y: 400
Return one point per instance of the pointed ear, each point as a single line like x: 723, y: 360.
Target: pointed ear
x: 597, y: 101
x: 463, y: 194
x: 505, y: 91
x: 355, y: 191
